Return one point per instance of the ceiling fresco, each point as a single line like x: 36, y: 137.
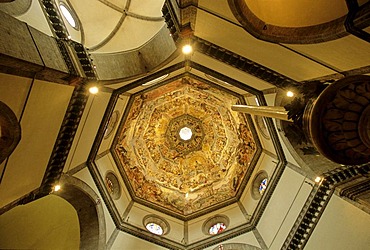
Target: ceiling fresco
x: 182, y: 148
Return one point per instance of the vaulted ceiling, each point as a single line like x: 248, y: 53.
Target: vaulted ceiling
x: 130, y: 136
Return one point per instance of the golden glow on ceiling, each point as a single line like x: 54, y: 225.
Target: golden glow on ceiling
x: 94, y: 90
x: 289, y: 94
x: 187, y: 49
x: 57, y: 188
x: 297, y: 13
x: 185, y: 176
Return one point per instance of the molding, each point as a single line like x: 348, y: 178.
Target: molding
x: 243, y: 210
x: 64, y: 140
x: 127, y: 211
x: 359, y: 14
x: 244, y: 64
x: 112, y: 239
x: 110, y: 35
x: 316, y: 203
x: 260, y: 239
x: 76, y: 169
x: 31, y: 196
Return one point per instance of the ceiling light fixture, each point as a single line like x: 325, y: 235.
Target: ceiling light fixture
x: 289, y: 94
x: 57, y: 188
x: 187, y: 49
x: 94, y: 90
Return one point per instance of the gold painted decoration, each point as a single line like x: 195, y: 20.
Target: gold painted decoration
x: 185, y: 175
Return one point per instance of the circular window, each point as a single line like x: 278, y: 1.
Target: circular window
x: 261, y: 126
x: 185, y: 133
x: 111, y: 124
x: 68, y: 15
x: 154, y: 228
x: 259, y: 185
x: 217, y: 228
x: 156, y: 224
x: 215, y: 225
x: 113, y: 186
x: 263, y: 186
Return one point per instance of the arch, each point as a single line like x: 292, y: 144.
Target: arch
x: 315, y: 33
x: 10, y: 131
x: 89, y: 210
x: 15, y: 7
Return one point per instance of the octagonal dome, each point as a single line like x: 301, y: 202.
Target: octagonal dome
x: 177, y: 175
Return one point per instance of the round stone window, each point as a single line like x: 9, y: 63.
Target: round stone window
x: 217, y: 228
x: 68, y: 15
x: 112, y: 185
x: 215, y: 225
x: 259, y: 185
x: 156, y: 224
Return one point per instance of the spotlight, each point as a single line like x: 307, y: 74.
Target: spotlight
x: 57, y: 188
x: 289, y: 94
x: 187, y: 49
x: 94, y: 90
x: 317, y: 179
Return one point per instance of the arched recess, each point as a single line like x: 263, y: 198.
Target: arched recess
x: 10, y: 131
x: 297, y: 31
x: 89, y: 210
x: 15, y: 7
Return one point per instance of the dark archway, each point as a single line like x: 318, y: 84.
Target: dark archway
x: 89, y: 209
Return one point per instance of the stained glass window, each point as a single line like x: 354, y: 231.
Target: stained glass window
x: 263, y: 186
x: 217, y: 228
x: 154, y: 228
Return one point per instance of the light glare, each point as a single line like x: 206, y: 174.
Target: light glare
x: 187, y: 49
x: 57, y: 188
x: 317, y: 179
x: 289, y: 94
x: 94, y: 90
